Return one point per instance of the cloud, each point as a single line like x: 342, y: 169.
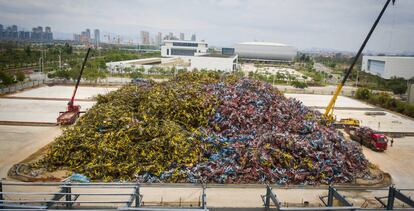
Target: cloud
x: 339, y: 24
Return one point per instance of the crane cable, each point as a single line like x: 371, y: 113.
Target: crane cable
x: 392, y: 28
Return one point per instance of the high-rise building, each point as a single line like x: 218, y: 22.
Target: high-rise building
x: 76, y: 37
x: 1, y: 31
x: 37, y: 33
x: 97, y: 37
x: 181, y: 36
x: 48, y: 35
x: 88, y: 35
x: 14, y: 33
x: 14, y: 28
x: 193, y: 37
x: 158, y: 39
x: 144, y: 37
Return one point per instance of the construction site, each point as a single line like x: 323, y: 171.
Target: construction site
x: 29, y: 131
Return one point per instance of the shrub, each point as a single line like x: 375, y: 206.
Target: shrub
x: 20, y: 76
x: 298, y: 84
x: 363, y: 94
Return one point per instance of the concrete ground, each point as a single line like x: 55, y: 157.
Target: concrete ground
x: 19, y: 142
x: 64, y: 92
x: 390, y: 122
x: 34, y: 110
x: 396, y: 160
x: 323, y: 101
x: 351, y: 108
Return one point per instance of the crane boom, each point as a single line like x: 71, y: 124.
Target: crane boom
x: 329, y: 108
x: 72, y: 99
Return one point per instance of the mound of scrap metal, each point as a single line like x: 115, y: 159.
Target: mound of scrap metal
x: 205, y: 128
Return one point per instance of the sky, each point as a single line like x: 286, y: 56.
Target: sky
x: 328, y: 24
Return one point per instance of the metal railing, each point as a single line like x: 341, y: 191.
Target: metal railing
x: 270, y: 199
x: 68, y: 194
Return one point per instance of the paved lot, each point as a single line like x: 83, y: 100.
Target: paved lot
x: 396, y: 160
x: 323, y: 100
x: 18, y: 142
x: 64, y: 92
x: 34, y: 110
x: 389, y: 122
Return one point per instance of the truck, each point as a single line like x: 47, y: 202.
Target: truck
x: 368, y: 137
x: 347, y: 122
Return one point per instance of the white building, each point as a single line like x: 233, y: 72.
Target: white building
x: 265, y: 51
x: 226, y: 63
x: 389, y: 66
x: 180, y: 48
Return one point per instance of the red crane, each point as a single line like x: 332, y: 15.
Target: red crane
x: 73, y: 111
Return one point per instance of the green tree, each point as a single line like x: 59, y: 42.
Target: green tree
x: 6, y: 78
x: 397, y: 85
x: 28, y: 50
x: 68, y: 49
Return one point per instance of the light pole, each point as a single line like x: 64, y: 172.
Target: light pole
x: 60, y: 59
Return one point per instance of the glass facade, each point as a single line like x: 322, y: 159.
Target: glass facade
x: 182, y: 52
x: 227, y: 51
x: 376, y: 66
x: 185, y: 44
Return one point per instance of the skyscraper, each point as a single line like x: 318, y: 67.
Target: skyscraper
x: 181, y: 36
x: 193, y: 37
x: 14, y: 33
x: 97, y: 37
x: 14, y: 28
x: 48, y: 35
x: 76, y: 37
x: 88, y: 35
x: 158, y: 39
x: 144, y: 37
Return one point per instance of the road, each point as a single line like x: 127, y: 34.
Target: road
x: 322, y: 68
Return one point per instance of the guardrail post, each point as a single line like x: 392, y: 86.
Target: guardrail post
x: 267, y: 198
x: 1, y: 192
x: 391, y: 197
x: 68, y: 197
x: 203, y: 199
x: 137, y: 197
x: 330, y: 196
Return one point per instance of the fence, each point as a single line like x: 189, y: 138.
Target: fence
x: 68, y: 195
x: 103, y: 196
x: 21, y: 86
x: 333, y: 195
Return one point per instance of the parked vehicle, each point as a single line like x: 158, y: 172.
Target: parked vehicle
x: 368, y: 137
